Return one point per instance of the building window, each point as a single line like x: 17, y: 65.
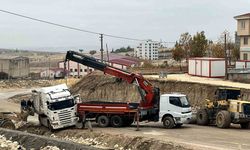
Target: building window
x: 245, y: 56
x: 243, y: 24
x: 75, y: 70
x: 71, y: 70
x: 80, y: 70
x: 245, y: 40
x: 85, y: 70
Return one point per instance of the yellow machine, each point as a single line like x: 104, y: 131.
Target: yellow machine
x: 226, y: 108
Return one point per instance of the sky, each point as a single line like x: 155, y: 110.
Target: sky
x: 141, y: 19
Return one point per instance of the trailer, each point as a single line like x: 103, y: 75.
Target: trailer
x: 108, y: 113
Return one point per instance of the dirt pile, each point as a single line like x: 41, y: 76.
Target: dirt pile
x: 17, y: 98
x: 8, y: 84
x: 107, y: 88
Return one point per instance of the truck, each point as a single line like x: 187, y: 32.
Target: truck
x: 170, y: 109
x: 55, y: 106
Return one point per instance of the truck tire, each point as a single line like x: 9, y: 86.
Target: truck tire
x: 116, y: 121
x: 103, y: 121
x: 223, y: 119
x: 50, y: 127
x: 8, y: 124
x: 202, y: 117
x: 168, y: 122
x: 245, y: 125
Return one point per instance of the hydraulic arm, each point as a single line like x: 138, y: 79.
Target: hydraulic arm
x: 149, y: 94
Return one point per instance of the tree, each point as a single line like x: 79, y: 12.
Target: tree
x: 235, y: 53
x: 198, y: 45
x: 123, y: 49
x: 218, y: 50
x: 178, y: 52
x: 232, y: 50
x: 185, y: 42
x: 92, y: 52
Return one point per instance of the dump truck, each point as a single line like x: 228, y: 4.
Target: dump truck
x: 227, y: 107
x: 55, y: 106
x: 170, y: 109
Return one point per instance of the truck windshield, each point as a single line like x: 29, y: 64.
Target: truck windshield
x: 179, y: 101
x: 61, y: 105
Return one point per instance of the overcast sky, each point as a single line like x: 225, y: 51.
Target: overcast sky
x: 143, y: 19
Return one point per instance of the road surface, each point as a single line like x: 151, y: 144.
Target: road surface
x: 193, y: 136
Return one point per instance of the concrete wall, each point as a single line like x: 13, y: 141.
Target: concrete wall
x: 19, y: 67
x: 15, y: 68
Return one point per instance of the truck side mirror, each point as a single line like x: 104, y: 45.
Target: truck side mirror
x: 77, y: 99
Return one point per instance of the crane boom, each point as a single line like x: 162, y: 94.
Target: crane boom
x: 150, y: 95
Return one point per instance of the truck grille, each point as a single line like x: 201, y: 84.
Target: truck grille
x: 65, y: 117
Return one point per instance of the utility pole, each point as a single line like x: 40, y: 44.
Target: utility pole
x: 101, y: 47
x: 226, y: 60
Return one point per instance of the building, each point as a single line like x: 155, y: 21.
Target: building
x: 243, y: 32
x: 75, y: 69
x: 118, y: 61
x: 164, y: 53
x: 147, y: 50
x: 17, y: 67
x: 53, y: 73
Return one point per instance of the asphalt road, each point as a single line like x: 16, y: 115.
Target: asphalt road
x: 193, y: 136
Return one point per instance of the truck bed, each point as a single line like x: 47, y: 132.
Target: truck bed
x: 100, y: 106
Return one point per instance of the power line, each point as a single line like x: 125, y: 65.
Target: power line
x: 74, y: 28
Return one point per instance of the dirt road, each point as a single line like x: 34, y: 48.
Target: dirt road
x: 194, y: 79
x: 8, y: 106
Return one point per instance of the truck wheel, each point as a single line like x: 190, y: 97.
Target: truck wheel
x: 50, y: 126
x: 245, y: 125
x: 223, y: 119
x: 202, y: 117
x: 168, y: 122
x: 8, y: 124
x: 103, y: 121
x: 116, y: 121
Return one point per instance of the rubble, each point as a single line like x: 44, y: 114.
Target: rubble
x: 9, y: 144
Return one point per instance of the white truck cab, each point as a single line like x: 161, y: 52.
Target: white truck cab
x: 175, y: 110
x: 55, y: 106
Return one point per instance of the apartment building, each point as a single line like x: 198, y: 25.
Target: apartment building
x: 147, y: 50
x: 243, y: 32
